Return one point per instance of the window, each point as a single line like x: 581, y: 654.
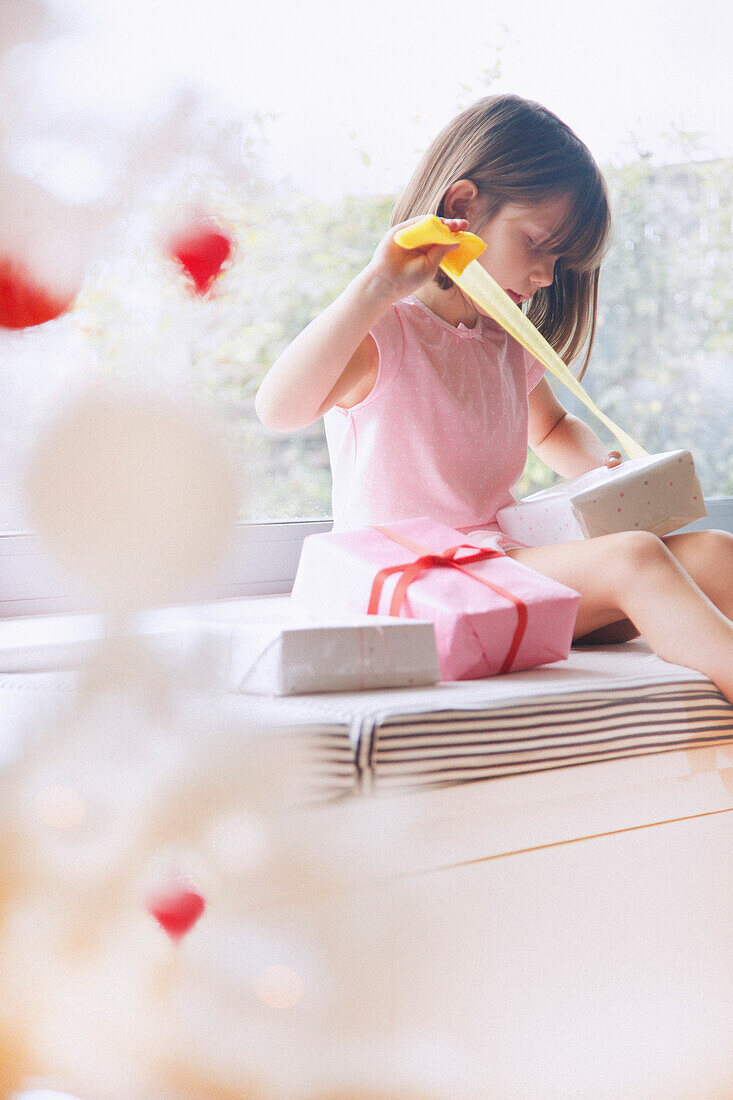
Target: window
x: 292, y: 137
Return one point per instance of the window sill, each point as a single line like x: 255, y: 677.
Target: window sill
x: 261, y: 561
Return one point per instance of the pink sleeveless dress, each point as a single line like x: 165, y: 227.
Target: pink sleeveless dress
x: 443, y: 433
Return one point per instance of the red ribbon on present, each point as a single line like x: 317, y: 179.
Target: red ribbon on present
x: 428, y: 560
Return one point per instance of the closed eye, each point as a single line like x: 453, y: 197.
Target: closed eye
x: 542, y: 247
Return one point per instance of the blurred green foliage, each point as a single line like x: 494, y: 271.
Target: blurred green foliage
x: 662, y: 365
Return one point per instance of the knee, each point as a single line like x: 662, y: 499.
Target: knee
x: 631, y: 557
x: 636, y: 551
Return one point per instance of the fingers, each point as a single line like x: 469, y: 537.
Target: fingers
x: 436, y: 252
x: 421, y: 245
x: 423, y: 260
x: 433, y: 253
x: 406, y: 269
x: 456, y: 225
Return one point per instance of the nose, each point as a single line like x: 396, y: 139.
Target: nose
x: 543, y: 271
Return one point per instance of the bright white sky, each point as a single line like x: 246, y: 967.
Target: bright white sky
x: 380, y: 76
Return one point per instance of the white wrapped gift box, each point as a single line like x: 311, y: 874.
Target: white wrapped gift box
x: 292, y: 651
x: 660, y: 493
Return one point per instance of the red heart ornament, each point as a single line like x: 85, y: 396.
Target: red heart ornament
x: 176, y: 908
x: 202, y: 250
x: 24, y: 303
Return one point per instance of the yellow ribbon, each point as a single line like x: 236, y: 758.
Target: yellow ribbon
x: 475, y: 281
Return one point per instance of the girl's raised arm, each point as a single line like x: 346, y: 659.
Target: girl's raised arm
x: 334, y: 355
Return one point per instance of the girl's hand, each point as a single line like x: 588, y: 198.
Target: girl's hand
x: 613, y: 458
x: 401, y: 271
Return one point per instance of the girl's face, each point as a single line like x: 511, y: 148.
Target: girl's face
x: 516, y: 253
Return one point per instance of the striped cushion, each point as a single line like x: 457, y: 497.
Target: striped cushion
x: 544, y: 733
x: 603, y: 703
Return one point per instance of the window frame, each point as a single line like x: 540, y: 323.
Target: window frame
x: 262, y: 560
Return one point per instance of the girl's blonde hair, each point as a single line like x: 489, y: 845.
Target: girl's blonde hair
x: 517, y: 151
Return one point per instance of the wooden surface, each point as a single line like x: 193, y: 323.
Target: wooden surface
x: 576, y: 947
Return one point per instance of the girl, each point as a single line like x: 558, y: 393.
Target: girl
x: 429, y: 405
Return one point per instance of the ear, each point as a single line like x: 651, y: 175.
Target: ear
x: 459, y: 199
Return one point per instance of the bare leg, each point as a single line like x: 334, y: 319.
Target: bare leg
x: 708, y: 557
x: 635, y: 576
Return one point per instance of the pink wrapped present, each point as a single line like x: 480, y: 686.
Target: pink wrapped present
x: 490, y: 613
x: 660, y: 493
